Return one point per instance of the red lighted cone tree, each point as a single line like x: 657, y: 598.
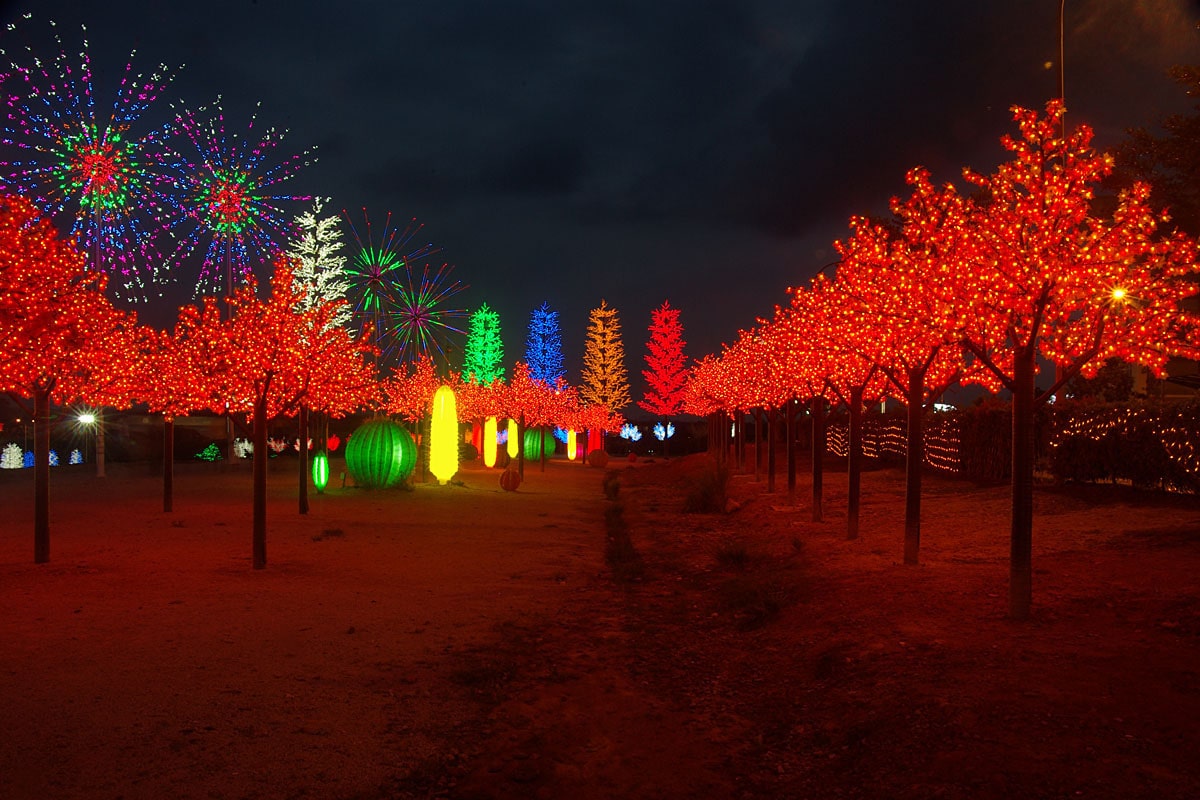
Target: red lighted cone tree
x: 1039, y: 275
x: 61, y: 340
x: 667, y: 373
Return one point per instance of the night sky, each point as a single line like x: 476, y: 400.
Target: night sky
x: 702, y: 152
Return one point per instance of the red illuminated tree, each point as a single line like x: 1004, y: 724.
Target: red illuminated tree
x: 535, y: 405
x: 61, y: 340
x: 1038, y: 274
x: 267, y: 359
x: 895, y: 283
x: 667, y: 372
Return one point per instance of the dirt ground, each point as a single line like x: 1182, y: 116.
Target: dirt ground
x: 464, y: 642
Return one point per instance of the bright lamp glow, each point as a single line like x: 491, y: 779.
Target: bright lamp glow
x: 1119, y: 294
x: 443, y: 435
x: 489, y: 442
x: 513, y: 444
x: 320, y: 471
x: 87, y: 418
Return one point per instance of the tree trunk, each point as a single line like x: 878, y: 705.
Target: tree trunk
x: 41, y: 476
x: 260, y: 483
x: 741, y: 460
x: 168, y: 464
x: 789, y: 429
x: 303, y: 415
x: 915, y: 461
x: 521, y: 446
x: 770, y: 449
x: 99, y: 442
x: 757, y: 443
x: 854, y: 463
x: 818, y: 456
x: 1021, y: 563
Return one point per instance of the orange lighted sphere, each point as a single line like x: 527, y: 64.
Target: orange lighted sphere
x: 510, y: 479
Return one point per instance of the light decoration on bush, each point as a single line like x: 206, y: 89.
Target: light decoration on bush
x: 560, y: 433
x: 380, y: 454
x: 210, y: 453
x: 243, y: 448
x: 443, y: 435
x: 54, y: 458
x: 76, y: 457
x: 277, y: 446
x: 27, y: 459
x: 572, y: 445
x: 490, y: 440
x: 630, y: 431
x: 10, y: 457
x: 333, y: 443
x: 320, y: 471
x: 296, y: 444
x: 663, y: 432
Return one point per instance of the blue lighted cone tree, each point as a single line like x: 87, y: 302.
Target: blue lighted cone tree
x: 543, y: 346
x: 666, y: 373
x: 543, y: 355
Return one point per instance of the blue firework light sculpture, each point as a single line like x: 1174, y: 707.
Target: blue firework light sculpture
x: 396, y: 293
x: 228, y: 192
x: 90, y: 168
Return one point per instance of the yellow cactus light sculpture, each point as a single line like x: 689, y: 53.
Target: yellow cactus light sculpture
x: 443, y: 435
x: 513, y: 443
x: 572, y: 445
x: 489, y: 442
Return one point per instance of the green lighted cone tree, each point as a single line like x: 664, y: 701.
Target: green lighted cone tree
x: 666, y: 374
x: 1038, y: 274
x: 483, y: 353
x: 605, y: 380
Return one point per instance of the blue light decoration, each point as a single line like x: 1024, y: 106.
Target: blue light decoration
x: 76, y: 457
x: 502, y: 435
x: 561, y: 434
x: 543, y: 346
x: 630, y: 431
x: 662, y: 433
x: 27, y: 459
x: 54, y: 458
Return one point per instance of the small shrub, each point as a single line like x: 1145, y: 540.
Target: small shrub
x: 708, y: 493
x: 753, y: 601
x: 732, y: 554
x: 622, y: 557
x: 612, y: 484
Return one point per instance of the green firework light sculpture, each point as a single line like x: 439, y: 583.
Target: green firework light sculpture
x: 230, y: 197
x: 403, y: 306
x: 100, y: 173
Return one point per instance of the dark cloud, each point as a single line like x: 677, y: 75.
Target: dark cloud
x: 706, y: 152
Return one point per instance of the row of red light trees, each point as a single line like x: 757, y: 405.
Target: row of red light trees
x: 972, y: 288
x: 62, y: 341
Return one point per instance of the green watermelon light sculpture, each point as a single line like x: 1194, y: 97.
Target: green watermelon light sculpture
x: 380, y: 454
x: 532, y: 438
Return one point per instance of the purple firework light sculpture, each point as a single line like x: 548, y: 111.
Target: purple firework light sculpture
x: 394, y: 290
x: 100, y: 174
x: 230, y: 197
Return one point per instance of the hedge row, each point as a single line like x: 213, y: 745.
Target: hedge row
x: 1150, y: 445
